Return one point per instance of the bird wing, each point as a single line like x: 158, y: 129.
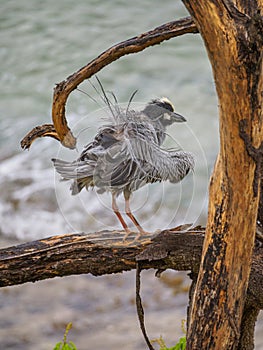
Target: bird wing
x: 137, y: 157
x: 73, y: 170
x: 84, y: 166
x: 126, y: 155
x: 158, y: 163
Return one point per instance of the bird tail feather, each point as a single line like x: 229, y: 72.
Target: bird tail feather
x: 80, y: 172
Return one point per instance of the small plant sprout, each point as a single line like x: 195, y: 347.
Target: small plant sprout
x: 64, y: 345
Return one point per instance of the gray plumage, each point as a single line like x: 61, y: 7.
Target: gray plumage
x: 126, y: 155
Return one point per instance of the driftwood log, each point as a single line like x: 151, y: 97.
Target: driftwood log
x: 105, y: 253
x: 99, y: 254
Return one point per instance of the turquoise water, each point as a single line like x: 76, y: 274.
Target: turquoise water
x: 44, y: 42
x: 41, y: 43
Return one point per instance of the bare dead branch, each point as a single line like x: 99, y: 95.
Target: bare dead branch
x: 105, y: 253
x: 97, y: 253
x: 39, y: 131
x: 64, y: 88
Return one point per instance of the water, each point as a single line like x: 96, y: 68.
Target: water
x: 43, y: 43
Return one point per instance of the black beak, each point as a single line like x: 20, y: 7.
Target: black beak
x: 177, y: 117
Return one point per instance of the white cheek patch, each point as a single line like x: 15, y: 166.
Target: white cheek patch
x: 167, y: 117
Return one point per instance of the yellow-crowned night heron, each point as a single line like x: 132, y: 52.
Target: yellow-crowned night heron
x: 126, y: 155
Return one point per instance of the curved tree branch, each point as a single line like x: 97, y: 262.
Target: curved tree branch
x: 60, y: 128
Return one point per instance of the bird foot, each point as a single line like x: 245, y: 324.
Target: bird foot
x: 128, y: 232
x: 137, y: 237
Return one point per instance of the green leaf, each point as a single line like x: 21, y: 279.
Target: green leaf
x: 181, y: 345
x: 58, y: 346
x: 73, y: 346
x: 64, y: 345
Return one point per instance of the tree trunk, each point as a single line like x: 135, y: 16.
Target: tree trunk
x: 233, y: 38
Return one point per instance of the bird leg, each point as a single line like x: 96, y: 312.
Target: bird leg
x: 131, y: 216
x: 118, y: 214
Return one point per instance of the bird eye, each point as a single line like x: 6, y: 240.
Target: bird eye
x: 168, y: 106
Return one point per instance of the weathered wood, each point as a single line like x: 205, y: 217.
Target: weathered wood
x: 105, y: 253
x: 232, y: 32
x: 98, y: 253
x: 63, y: 89
x: 247, y: 328
x: 37, y: 132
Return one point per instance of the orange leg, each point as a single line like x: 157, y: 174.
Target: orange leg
x: 131, y: 216
x: 118, y: 214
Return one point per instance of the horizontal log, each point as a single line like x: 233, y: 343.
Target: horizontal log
x: 105, y: 252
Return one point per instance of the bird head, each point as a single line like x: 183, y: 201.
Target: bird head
x: 162, y: 109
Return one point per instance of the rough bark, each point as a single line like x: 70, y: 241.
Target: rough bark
x: 233, y: 38
x: 98, y: 253
x: 248, y: 322
x: 105, y: 253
